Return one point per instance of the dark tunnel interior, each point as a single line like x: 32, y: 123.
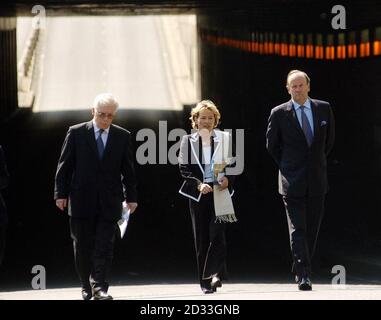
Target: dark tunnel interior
x: 246, y: 84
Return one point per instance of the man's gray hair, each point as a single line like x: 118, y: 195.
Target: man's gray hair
x: 105, y: 99
x: 300, y: 72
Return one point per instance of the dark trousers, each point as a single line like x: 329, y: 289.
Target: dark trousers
x: 93, y: 242
x: 304, y: 216
x: 209, y: 239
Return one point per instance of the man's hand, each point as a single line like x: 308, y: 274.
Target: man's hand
x: 132, y: 206
x: 61, y: 204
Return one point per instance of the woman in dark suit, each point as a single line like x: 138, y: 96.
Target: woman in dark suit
x: 197, y: 152
x: 4, y: 177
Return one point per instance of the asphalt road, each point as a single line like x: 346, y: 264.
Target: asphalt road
x: 229, y: 291
x: 84, y: 56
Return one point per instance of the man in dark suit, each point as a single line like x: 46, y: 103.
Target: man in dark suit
x: 4, y: 178
x: 95, y: 174
x: 300, y: 135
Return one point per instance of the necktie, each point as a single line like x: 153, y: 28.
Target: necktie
x: 306, y: 127
x: 100, y: 145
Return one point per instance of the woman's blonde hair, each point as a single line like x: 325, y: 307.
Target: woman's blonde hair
x: 204, y: 104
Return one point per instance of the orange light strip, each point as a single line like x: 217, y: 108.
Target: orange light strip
x: 365, y: 49
x: 299, y: 50
x: 292, y: 50
x: 271, y: 48
x: 255, y: 47
x: 330, y: 52
x: 309, y: 51
x: 283, y: 49
x: 341, y: 52
x: 319, y: 53
x: 247, y: 45
x: 352, y: 51
x: 260, y: 48
x: 277, y: 48
x: 377, y: 47
x: 266, y: 47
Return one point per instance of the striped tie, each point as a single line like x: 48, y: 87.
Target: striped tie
x: 100, y: 145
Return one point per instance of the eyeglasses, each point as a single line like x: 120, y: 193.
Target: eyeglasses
x: 105, y: 115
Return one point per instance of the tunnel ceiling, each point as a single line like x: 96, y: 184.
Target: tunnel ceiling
x: 141, y: 7
x: 270, y: 15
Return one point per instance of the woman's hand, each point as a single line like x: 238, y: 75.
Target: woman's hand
x: 204, y: 188
x: 224, y: 182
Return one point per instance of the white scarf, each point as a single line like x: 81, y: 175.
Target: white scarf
x: 223, y: 204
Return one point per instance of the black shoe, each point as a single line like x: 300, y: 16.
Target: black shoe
x: 305, y: 284
x: 102, y: 295
x: 216, y: 283
x: 208, y: 290
x: 86, y: 293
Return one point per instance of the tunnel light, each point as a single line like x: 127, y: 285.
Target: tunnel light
x: 365, y: 45
x: 330, y: 48
x: 365, y: 49
x: 377, y: 48
x: 341, y: 52
x: 377, y: 42
x: 319, y: 49
x: 284, y: 45
x: 341, y: 49
x: 292, y: 46
x: 300, y: 46
x: 352, y: 51
x: 352, y: 47
x: 271, y: 43
x: 310, y: 46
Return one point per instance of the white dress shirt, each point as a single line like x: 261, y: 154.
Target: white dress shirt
x: 104, y: 134
x: 307, y: 111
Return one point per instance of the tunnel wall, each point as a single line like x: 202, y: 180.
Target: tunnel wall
x: 8, y: 66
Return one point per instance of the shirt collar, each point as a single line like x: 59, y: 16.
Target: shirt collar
x: 195, y: 135
x: 307, y: 104
x: 96, y: 128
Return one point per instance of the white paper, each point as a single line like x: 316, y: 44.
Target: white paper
x: 123, y: 222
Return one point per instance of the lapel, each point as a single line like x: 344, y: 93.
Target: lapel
x: 110, y: 142
x: 196, y: 145
x: 91, y: 137
x: 216, y: 143
x: 316, y: 119
x: 93, y: 144
x: 195, y: 142
x: 291, y: 113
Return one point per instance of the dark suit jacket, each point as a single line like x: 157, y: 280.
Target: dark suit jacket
x: 192, y: 168
x: 4, y: 179
x: 96, y: 186
x: 302, y: 169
